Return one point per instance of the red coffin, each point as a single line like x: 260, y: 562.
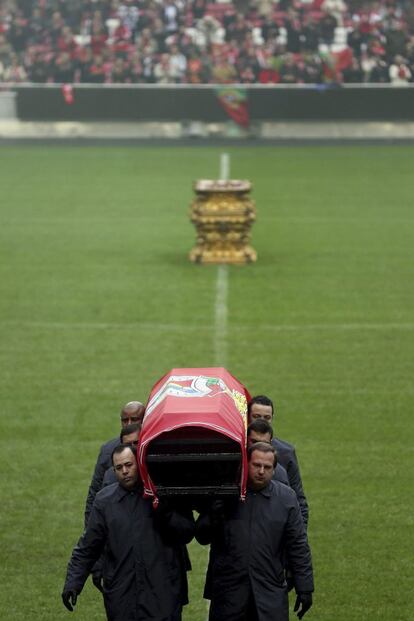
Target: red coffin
x: 194, y: 429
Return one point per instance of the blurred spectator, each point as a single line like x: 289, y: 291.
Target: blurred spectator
x: 148, y: 68
x: 379, y: 72
x: 313, y: 70
x: 353, y: 73
x: 290, y: 72
x: 269, y: 29
x: 147, y: 43
x: 170, y: 14
x: 410, y: 54
x: 222, y: 72
x: 327, y: 26
x: 336, y: 8
x: 66, y: 42
x: 36, y: 27
x: 154, y: 37
x: 14, y: 72
x: 162, y: 70
x: 129, y: 17
x: 6, y: 50
x: 264, y: 8
x: 85, y: 62
x: 399, y: 72
x: 95, y: 72
x: 293, y: 27
x: 64, y: 69
x: 237, y: 30
x: 396, y: 40
x: 17, y: 34
x: 178, y: 64
x: 210, y: 30
x: 310, y: 35
x: 99, y: 37
x: 55, y: 27
x: 120, y: 71
x: 194, y: 69
x: 199, y: 9
x: 356, y: 41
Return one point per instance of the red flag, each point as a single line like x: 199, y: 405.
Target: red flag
x: 68, y: 95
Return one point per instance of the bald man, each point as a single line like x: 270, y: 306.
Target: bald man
x: 132, y: 412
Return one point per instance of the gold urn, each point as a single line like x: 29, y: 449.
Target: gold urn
x: 223, y: 213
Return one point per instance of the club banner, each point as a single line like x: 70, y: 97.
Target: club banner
x: 234, y: 102
x: 211, y: 398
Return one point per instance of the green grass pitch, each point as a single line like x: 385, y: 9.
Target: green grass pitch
x: 98, y: 300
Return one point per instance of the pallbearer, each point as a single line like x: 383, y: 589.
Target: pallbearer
x: 249, y: 541
x: 144, y: 566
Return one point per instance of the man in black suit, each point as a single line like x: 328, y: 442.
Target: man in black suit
x: 144, y: 565
x: 260, y: 430
x: 250, y: 543
x: 262, y: 407
x: 132, y: 412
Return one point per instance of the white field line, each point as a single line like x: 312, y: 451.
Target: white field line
x: 336, y: 327
x: 220, y: 316
x: 139, y: 325
x: 220, y: 321
x: 224, y: 167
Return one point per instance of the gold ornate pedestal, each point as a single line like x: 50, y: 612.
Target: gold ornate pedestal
x: 222, y: 214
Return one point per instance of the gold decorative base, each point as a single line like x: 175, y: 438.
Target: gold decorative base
x: 223, y: 214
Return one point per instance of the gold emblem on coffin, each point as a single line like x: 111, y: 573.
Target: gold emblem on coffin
x: 223, y: 213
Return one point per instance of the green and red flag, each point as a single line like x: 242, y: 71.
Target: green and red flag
x: 234, y: 102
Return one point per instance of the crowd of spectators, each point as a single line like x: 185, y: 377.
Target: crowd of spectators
x: 196, y: 41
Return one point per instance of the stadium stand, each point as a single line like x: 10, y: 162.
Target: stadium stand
x: 201, y: 42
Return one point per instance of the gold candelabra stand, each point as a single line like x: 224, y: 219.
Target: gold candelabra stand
x: 223, y: 213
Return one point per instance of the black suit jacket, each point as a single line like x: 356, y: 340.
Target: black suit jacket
x: 286, y: 455
x: 102, y: 464
x: 144, y: 566
x: 249, y: 545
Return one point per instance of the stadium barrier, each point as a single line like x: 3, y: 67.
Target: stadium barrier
x: 7, y: 105
x: 180, y: 103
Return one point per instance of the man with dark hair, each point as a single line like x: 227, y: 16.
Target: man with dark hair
x: 265, y: 414
x: 260, y: 427
x: 250, y: 542
x: 129, y: 435
x: 262, y: 407
x: 145, y: 575
x: 132, y: 412
x: 260, y: 430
